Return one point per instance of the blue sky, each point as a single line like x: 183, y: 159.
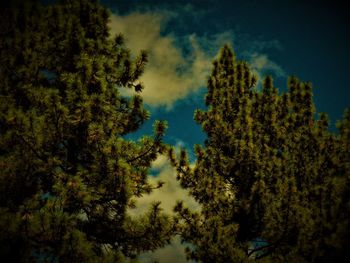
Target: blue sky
x: 308, y: 39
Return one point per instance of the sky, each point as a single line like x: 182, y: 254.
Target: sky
x: 308, y: 39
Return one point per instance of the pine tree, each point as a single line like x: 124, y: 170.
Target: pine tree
x: 272, y: 181
x: 67, y: 173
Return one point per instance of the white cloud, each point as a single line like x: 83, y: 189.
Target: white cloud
x: 173, y: 253
x: 261, y: 45
x: 173, y: 73
x: 170, y: 74
x: 261, y: 65
x: 168, y: 194
x: 160, y: 163
x: 261, y: 62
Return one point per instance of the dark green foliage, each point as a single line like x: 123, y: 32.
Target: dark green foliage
x: 67, y: 176
x: 272, y: 181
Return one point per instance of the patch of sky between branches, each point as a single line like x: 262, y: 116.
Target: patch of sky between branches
x: 182, y: 130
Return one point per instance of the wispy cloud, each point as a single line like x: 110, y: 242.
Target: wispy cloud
x: 261, y: 65
x: 257, y: 54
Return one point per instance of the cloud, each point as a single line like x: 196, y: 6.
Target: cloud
x: 173, y: 253
x: 261, y: 62
x: 260, y: 45
x: 178, y: 66
x: 168, y: 195
x: 261, y: 65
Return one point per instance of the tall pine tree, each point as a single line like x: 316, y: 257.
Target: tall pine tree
x: 272, y: 181
x: 67, y: 175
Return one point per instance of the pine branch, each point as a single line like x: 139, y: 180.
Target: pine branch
x: 156, y: 141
